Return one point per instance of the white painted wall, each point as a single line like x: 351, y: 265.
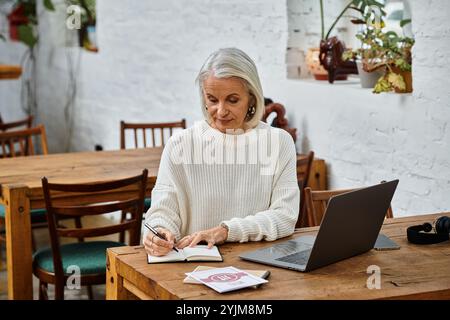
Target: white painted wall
x: 150, y: 52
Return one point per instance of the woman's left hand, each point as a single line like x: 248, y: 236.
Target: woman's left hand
x: 212, y: 236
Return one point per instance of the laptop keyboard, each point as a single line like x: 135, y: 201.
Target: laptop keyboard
x: 296, y: 258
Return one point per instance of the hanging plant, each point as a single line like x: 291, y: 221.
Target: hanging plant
x: 23, y: 21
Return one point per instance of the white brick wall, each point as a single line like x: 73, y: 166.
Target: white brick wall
x: 150, y: 52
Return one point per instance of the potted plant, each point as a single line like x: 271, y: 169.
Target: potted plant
x: 394, y: 57
x: 390, y: 54
x: 23, y: 21
x: 366, y: 53
x: 316, y: 57
x: 383, y: 56
x: 17, y: 18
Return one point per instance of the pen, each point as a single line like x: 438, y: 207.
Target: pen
x: 156, y: 233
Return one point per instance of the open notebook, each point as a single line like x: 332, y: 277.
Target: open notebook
x: 197, y: 253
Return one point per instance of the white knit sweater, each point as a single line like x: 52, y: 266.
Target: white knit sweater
x: 207, y: 177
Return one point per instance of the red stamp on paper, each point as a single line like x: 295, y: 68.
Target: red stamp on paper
x: 224, y: 277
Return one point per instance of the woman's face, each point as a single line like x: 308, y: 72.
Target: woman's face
x: 227, y: 100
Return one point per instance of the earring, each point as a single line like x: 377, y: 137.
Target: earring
x: 251, y: 111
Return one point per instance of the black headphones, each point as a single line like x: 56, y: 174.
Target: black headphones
x: 441, y: 232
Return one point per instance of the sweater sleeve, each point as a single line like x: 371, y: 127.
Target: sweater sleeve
x: 164, y: 211
x: 279, y: 219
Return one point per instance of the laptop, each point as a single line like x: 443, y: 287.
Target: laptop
x: 351, y: 224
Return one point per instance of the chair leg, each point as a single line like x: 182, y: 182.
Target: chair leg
x: 43, y: 290
x: 2, y: 240
x: 90, y: 292
x: 59, y: 291
x: 1, y: 259
x: 33, y: 241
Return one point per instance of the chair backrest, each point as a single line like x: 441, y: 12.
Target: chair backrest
x: 26, y: 123
x: 151, y: 128
x: 133, y: 202
x: 280, y: 120
x: 20, y: 142
x: 304, y: 165
x: 316, y: 203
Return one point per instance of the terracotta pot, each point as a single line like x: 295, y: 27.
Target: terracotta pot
x: 314, y: 66
x: 407, y: 76
x: 16, y: 18
x: 316, y: 69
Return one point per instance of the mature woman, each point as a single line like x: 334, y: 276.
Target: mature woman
x: 230, y: 177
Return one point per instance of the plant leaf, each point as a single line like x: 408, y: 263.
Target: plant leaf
x: 348, y: 55
x: 26, y: 35
x: 357, y: 21
x: 404, y: 22
x: 48, y: 4
x: 402, y: 64
x: 396, y: 80
x: 357, y: 9
x: 382, y: 85
x: 392, y: 34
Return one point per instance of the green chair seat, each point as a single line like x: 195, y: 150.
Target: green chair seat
x: 37, y: 215
x: 147, y: 204
x: 90, y: 257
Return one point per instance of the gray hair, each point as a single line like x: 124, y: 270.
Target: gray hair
x: 232, y: 62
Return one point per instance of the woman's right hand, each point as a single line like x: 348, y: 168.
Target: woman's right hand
x: 156, y: 246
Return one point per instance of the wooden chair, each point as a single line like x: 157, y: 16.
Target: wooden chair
x: 280, y: 120
x: 151, y: 127
x: 141, y: 129
x: 27, y: 123
x: 316, y: 203
x: 20, y: 142
x: 51, y: 265
x: 303, y: 170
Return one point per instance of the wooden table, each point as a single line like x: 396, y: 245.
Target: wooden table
x: 21, y: 190
x: 413, y: 272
